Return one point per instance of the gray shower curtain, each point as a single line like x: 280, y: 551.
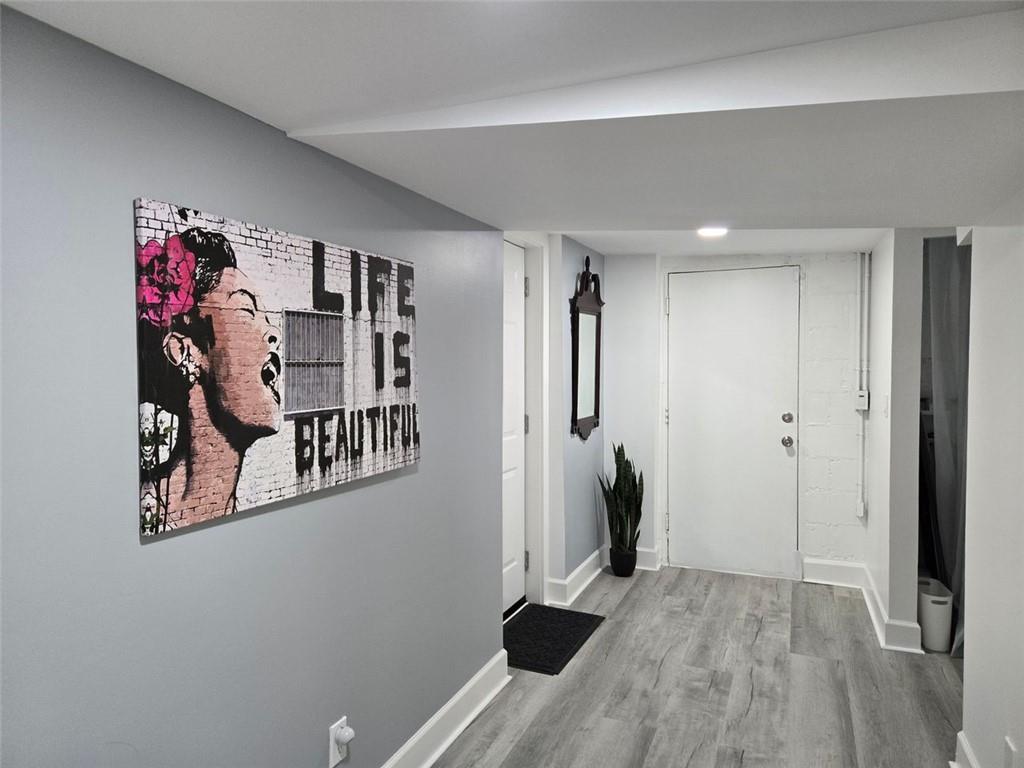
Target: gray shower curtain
x: 949, y: 290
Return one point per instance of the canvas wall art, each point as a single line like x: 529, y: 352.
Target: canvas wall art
x: 270, y: 365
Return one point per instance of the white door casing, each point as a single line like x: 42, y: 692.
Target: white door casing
x: 513, y: 439
x: 733, y: 345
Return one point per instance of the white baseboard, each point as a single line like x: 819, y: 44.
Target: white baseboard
x: 436, y: 735
x: 840, y: 573
x: 875, y: 610
x: 965, y: 757
x: 892, y: 634
x: 903, y: 636
x: 561, y: 593
x: 647, y: 559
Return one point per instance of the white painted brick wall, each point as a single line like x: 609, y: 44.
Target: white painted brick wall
x: 829, y: 444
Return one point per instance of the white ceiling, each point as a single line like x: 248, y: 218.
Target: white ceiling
x: 665, y: 115
x: 750, y: 241
x: 938, y: 161
x: 297, y: 64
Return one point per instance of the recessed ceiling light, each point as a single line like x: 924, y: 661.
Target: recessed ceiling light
x: 713, y: 231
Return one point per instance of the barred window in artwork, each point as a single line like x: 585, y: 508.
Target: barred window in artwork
x: 314, y: 351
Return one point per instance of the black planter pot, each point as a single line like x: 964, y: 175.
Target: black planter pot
x: 623, y: 563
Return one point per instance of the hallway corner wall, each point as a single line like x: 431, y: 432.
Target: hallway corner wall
x: 632, y: 329
x: 893, y: 433
x: 583, y: 459
x: 994, y: 623
x: 878, y: 428
x: 238, y: 643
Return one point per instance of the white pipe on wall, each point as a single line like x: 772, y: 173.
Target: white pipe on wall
x: 863, y: 367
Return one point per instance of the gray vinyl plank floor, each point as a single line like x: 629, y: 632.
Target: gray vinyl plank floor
x: 695, y: 669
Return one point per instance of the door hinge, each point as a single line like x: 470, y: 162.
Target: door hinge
x: 667, y: 518
x: 666, y: 415
x: 666, y: 304
x: 526, y: 287
x: 526, y: 561
x: 526, y: 423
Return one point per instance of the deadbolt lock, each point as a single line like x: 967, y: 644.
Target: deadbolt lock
x: 787, y: 441
x: 787, y: 417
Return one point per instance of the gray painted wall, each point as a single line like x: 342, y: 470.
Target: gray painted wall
x: 584, y: 513
x: 237, y: 644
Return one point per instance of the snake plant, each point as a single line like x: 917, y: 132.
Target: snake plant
x: 623, y: 499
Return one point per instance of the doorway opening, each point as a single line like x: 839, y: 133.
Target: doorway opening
x: 513, y: 429
x: 943, y: 433
x: 523, y: 554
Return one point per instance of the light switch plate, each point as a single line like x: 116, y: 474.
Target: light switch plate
x: 337, y: 753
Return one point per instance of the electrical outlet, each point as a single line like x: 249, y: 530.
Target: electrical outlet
x: 1013, y: 758
x: 340, y: 736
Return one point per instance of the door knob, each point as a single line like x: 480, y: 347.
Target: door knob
x: 787, y: 441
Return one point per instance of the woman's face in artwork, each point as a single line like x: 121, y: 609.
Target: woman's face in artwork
x: 242, y: 369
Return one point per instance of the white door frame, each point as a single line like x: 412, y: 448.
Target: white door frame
x: 685, y: 263
x: 666, y: 533
x: 537, y: 377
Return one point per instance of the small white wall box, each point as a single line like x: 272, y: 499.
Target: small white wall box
x: 861, y: 400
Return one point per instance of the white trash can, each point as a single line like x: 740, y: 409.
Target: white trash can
x: 935, y: 612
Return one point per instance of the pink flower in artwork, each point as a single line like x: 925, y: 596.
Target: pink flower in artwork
x: 166, y: 280
x: 151, y: 269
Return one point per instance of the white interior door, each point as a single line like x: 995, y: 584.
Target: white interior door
x: 732, y: 376
x: 513, y: 440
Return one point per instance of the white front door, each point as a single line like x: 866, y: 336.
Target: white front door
x: 732, y: 377
x: 513, y: 439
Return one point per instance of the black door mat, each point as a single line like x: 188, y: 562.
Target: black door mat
x: 544, y: 639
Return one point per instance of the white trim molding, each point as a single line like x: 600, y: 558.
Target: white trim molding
x: 561, y: 593
x: 840, y: 573
x: 538, y: 372
x: 965, y: 757
x: 647, y: 559
x: 437, y: 734
x: 892, y: 634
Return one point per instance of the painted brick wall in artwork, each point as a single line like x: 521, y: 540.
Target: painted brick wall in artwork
x: 214, y: 437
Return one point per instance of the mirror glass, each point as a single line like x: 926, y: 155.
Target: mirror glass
x: 586, y: 383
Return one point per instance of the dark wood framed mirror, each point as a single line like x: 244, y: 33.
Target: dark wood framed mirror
x: 585, y: 321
